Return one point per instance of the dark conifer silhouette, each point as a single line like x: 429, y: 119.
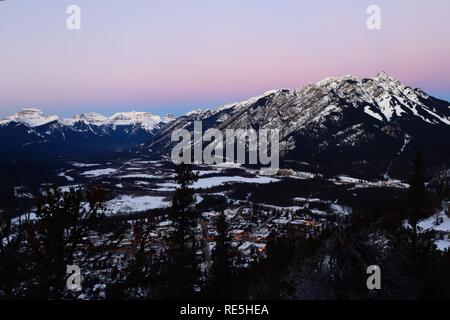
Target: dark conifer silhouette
x: 181, y: 271
x: 418, y: 200
x: 13, y: 256
x: 221, y: 273
x: 63, y: 221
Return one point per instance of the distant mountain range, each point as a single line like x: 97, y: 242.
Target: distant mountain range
x: 29, y: 133
x: 366, y: 126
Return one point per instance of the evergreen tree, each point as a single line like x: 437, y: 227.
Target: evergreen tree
x: 63, y: 221
x: 221, y: 273
x: 13, y: 257
x: 181, y: 270
x: 143, y: 268
x: 417, y: 192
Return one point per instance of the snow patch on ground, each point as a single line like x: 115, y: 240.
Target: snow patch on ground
x: 309, y: 200
x: 140, y: 176
x: 361, y: 183
x: 64, y: 175
x: 67, y: 188
x: 84, y: 165
x: 99, y: 172
x: 210, y: 182
x: 129, y: 204
x: 440, y: 223
x: 217, y: 181
x: 341, y: 210
x: 23, y: 218
x: 443, y: 245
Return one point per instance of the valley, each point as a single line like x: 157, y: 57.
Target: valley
x: 347, y: 158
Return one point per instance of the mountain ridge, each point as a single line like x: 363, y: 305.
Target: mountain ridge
x: 34, y: 117
x: 29, y: 133
x: 337, y: 123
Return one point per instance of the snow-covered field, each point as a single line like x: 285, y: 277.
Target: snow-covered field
x: 341, y: 210
x: 210, y: 182
x: 140, y: 176
x: 99, y: 172
x: 443, y: 244
x: 64, y: 175
x: 309, y: 200
x: 84, y: 165
x: 135, y: 176
x: 27, y: 216
x: 67, y: 188
x: 439, y: 222
x: 217, y: 181
x: 360, y: 183
x: 126, y: 203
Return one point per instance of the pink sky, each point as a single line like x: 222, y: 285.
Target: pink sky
x: 167, y: 56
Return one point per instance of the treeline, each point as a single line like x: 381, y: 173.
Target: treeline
x: 387, y: 236
x: 36, y: 251
x: 180, y: 269
x: 71, y: 229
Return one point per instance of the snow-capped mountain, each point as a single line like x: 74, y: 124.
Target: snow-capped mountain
x: 347, y: 123
x: 34, y: 118
x: 145, y: 120
x: 30, y: 131
x: 30, y: 117
x: 367, y: 126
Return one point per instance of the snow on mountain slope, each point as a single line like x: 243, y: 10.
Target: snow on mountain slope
x: 89, y: 117
x: 341, y: 122
x: 335, y: 122
x: 31, y: 117
x: 146, y: 120
x: 383, y: 98
x: 29, y: 132
x: 35, y: 118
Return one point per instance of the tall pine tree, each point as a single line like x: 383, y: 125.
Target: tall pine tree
x: 417, y: 192
x: 181, y: 271
x: 63, y: 222
x: 221, y: 273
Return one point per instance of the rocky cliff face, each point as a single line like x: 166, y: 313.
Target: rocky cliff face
x: 362, y: 125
